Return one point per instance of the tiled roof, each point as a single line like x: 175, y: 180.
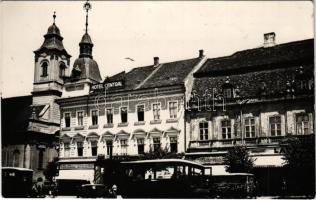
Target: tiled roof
x: 249, y: 83
x: 172, y: 73
x: 134, y: 77
x: 166, y: 74
x: 253, y: 59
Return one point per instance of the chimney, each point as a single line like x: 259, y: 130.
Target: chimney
x: 156, y: 60
x: 201, y: 53
x: 269, y: 39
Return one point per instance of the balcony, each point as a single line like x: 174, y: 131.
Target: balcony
x: 174, y: 120
x: 79, y: 128
x: 108, y: 125
x: 94, y: 127
x: 139, y: 123
x: 157, y: 121
x: 208, y: 144
x: 124, y: 124
x: 66, y: 129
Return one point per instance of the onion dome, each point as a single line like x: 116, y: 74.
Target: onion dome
x: 86, y: 68
x: 53, y: 40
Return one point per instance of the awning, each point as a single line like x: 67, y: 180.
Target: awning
x: 76, y: 175
x: 268, y: 161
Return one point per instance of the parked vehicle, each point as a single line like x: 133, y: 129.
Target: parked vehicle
x: 237, y: 185
x: 164, y: 178
x: 94, y: 191
x: 16, y: 182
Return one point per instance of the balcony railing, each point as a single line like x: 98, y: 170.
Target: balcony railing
x: 200, y: 144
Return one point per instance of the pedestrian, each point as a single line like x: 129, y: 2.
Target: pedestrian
x: 38, y: 188
x: 114, y: 191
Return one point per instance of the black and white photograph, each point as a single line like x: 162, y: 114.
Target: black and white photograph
x: 157, y: 99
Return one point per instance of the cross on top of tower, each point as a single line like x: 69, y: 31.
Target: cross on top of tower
x: 54, y: 16
x: 87, y: 7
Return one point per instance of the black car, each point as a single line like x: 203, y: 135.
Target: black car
x: 94, y: 191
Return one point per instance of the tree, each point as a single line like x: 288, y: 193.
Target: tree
x: 299, y: 157
x: 237, y: 159
x: 51, y: 169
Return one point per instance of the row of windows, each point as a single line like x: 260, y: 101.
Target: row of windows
x: 123, y: 144
x: 173, y: 110
x: 62, y: 69
x: 302, y: 127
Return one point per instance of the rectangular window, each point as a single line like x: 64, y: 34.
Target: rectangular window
x: 123, y: 147
x: 109, y: 116
x: 94, y: 114
x: 275, y: 125
x: 141, y: 113
x: 109, y: 147
x: 156, y: 141
x: 80, y: 148
x: 173, y: 110
x: 94, y: 148
x: 302, y: 122
x: 156, y: 110
x: 226, y: 129
x: 250, y: 127
x: 67, y: 119
x: 124, y: 114
x: 174, y: 144
x: 66, y: 149
x: 203, y: 130
x: 80, y: 118
x: 140, y: 146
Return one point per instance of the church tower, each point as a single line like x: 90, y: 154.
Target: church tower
x: 51, y: 68
x: 85, y: 69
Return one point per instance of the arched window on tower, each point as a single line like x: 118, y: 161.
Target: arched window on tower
x: 62, y: 70
x: 44, y: 69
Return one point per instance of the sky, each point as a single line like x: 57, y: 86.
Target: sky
x: 141, y: 30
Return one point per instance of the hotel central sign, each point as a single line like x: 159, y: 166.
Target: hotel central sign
x: 101, y: 87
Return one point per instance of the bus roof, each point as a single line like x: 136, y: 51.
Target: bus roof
x: 234, y: 174
x: 18, y: 168
x: 164, y: 161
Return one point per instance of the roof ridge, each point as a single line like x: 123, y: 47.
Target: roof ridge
x: 149, y: 76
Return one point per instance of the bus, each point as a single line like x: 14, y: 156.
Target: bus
x: 233, y: 185
x: 16, y: 182
x: 164, y: 178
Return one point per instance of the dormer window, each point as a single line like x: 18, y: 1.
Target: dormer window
x: 228, y: 89
x: 62, y: 70
x: 44, y: 69
x: 303, y: 80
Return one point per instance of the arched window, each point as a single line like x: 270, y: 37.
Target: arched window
x: 62, y: 70
x: 16, y: 156
x: 44, y: 69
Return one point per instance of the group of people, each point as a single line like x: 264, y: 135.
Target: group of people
x: 41, y: 190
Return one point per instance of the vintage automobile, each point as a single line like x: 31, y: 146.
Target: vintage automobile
x: 95, y: 191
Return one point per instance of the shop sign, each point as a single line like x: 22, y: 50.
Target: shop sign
x: 77, y: 166
x: 100, y: 87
